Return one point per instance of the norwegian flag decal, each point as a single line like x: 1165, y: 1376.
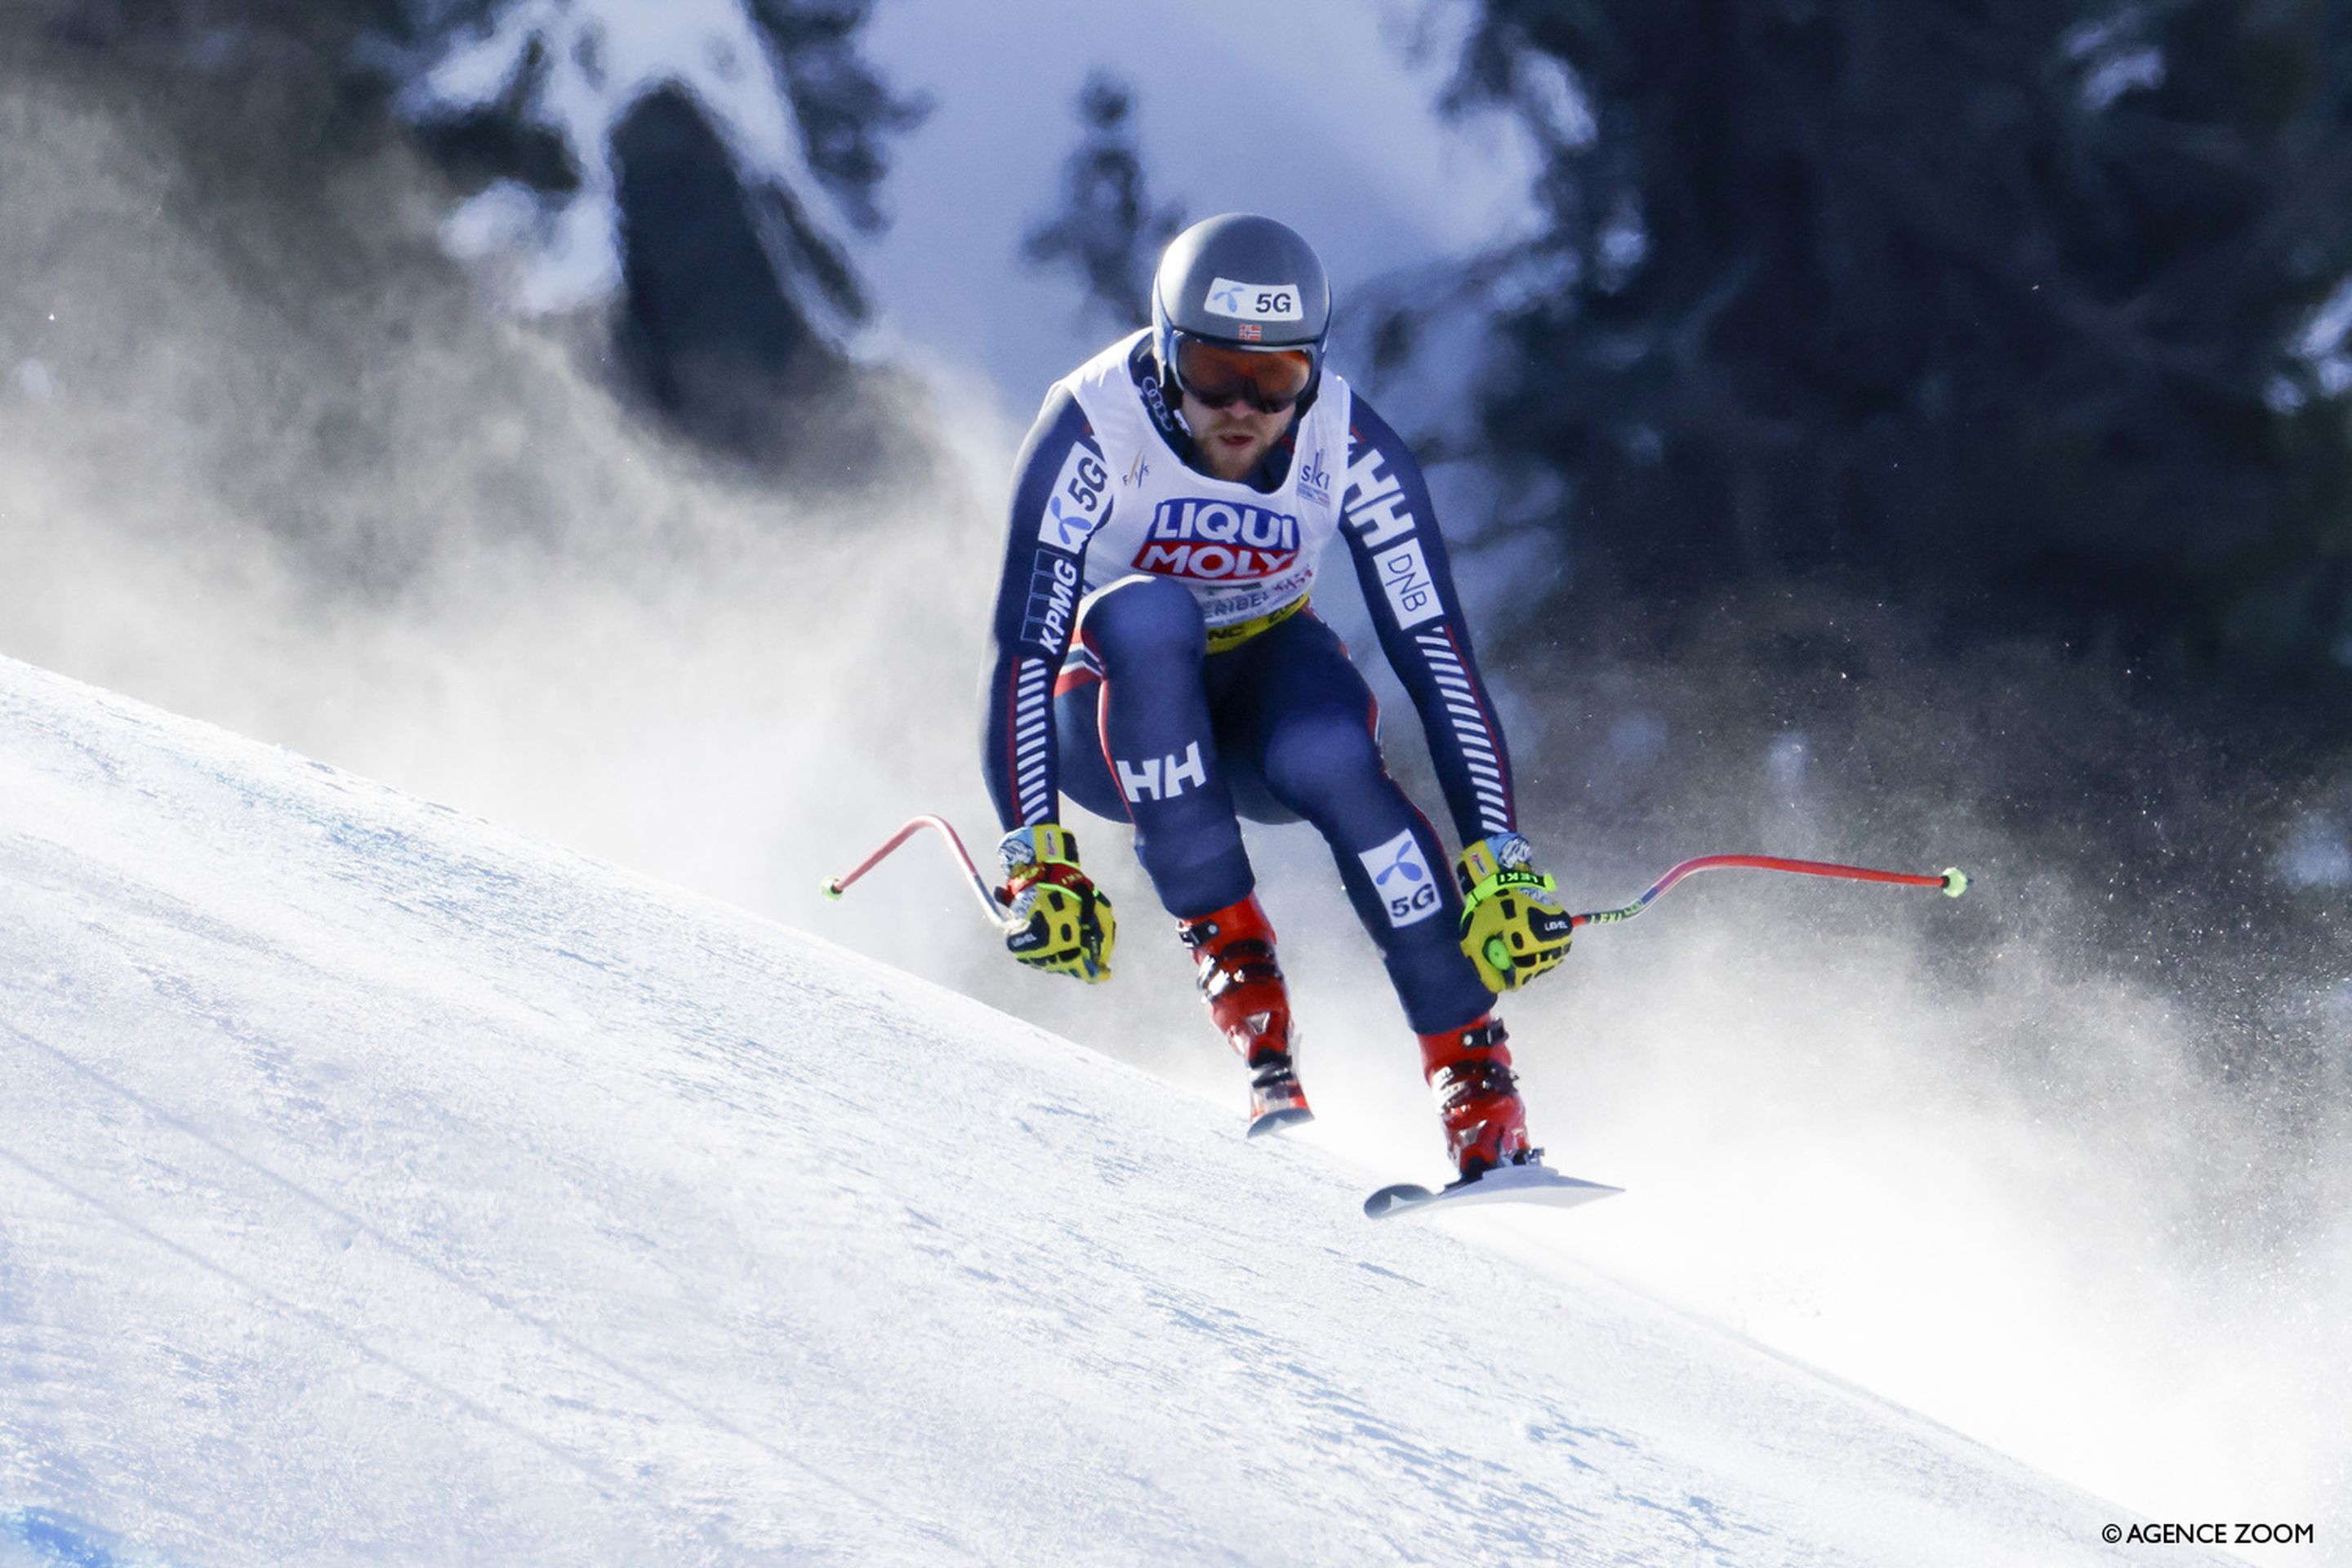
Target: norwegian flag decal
x: 1250, y: 331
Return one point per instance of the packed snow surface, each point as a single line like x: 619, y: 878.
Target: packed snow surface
x: 377, y: 1185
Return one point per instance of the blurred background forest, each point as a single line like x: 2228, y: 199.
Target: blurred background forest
x: 2022, y: 317
x: 2001, y: 344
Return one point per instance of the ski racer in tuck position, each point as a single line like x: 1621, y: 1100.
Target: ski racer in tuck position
x: 1172, y: 505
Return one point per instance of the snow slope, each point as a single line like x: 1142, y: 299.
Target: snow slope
x: 379, y: 1187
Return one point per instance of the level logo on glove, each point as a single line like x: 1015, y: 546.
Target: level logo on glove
x: 1512, y: 928
x: 1069, y: 929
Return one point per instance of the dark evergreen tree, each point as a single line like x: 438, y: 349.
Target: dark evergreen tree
x: 1108, y: 231
x: 294, y: 168
x: 729, y: 282
x: 845, y: 109
x: 1994, y: 303
x: 708, y: 330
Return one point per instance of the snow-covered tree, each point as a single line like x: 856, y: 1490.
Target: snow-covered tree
x: 1109, y: 231
x: 704, y: 161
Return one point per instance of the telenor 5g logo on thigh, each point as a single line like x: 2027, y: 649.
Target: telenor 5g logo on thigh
x: 1401, y: 877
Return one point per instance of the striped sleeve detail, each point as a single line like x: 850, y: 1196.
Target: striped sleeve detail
x: 1032, y: 739
x: 1473, y: 729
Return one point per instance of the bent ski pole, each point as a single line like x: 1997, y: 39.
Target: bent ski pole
x: 835, y: 887
x: 1953, y: 880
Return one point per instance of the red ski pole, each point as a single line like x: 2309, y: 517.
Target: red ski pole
x: 996, y: 916
x: 1953, y: 880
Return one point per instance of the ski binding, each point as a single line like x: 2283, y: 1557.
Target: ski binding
x: 1532, y: 1183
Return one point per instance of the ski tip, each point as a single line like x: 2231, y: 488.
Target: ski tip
x: 1289, y: 1116
x: 1386, y: 1198
x: 1531, y: 1183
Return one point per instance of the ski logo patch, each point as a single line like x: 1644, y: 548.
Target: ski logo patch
x: 1315, y: 479
x: 1078, y: 502
x: 1401, y: 878
x: 1218, y: 542
x: 1405, y: 577
x: 1255, y: 302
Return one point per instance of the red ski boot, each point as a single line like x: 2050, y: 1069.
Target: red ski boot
x: 1233, y: 956
x: 1469, y: 1069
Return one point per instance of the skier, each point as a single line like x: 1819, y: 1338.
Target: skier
x: 1172, y: 504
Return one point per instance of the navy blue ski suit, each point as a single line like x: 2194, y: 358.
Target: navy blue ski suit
x: 1278, y: 727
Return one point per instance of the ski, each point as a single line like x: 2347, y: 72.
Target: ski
x: 1276, y: 1102
x: 1532, y: 1183
x: 1280, y: 1119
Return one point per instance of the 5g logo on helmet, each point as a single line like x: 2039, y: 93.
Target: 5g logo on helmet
x: 1255, y: 302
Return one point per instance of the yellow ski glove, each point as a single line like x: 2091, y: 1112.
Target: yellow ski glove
x: 1513, y: 929
x: 1069, y: 928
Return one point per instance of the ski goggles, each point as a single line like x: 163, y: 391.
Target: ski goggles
x: 1268, y: 380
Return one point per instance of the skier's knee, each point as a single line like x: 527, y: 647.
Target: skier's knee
x: 1145, y: 617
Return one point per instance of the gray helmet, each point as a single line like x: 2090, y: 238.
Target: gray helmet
x: 1243, y: 281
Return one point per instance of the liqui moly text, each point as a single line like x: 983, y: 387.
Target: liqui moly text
x: 1218, y: 542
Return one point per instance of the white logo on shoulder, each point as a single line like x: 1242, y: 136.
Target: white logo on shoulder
x: 1079, y: 501
x: 1405, y: 577
x: 1255, y: 302
x: 1401, y: 877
